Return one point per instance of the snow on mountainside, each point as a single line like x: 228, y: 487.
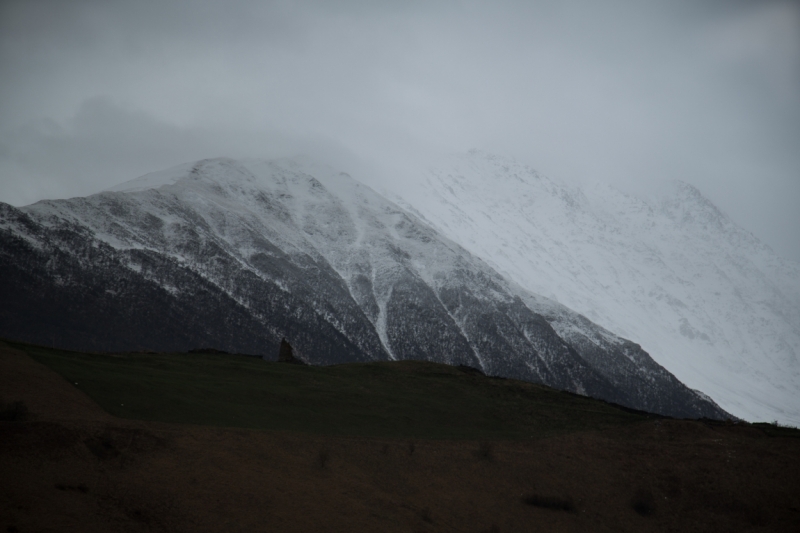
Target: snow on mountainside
x: 704, y: 297
x: 236, y: 255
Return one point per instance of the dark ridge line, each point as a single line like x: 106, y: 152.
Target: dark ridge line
x: 466, y: 369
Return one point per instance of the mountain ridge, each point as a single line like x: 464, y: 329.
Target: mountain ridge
x: 249, y: 252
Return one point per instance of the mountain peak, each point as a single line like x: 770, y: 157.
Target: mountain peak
x: 155, y: 180
x: 239, y: 254
x: 685, y: 202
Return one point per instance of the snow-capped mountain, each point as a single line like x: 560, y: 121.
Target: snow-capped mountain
x: 236, y: 255
x: 704, y: 297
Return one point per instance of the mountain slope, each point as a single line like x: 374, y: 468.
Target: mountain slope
x: 236, y: 255
x: 704, y: 297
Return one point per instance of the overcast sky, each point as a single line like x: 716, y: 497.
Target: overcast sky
x: 93, y: 93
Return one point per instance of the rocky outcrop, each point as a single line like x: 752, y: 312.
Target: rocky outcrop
x: 287, y: 355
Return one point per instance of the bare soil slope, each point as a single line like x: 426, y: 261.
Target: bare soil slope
x: 70, y: 466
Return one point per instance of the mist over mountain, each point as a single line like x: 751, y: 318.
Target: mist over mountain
x: 670, y: 271
x: 236, y: 255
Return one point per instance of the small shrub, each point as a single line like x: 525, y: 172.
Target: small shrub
x: 14, y: 412
x: 323, y: 457
x: 486, y: 451
x: 103, y: 447
x: 411, y: 447
x: 494, y: 528
x: 550, y: 502
x: 385, y: 449
x: 643, y: 502
x: 78, y: 488
x: 425, y: 514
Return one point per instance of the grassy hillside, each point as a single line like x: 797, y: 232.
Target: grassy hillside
x: 388, y: 399
x: 364, y: 454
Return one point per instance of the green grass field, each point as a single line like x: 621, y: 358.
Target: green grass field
x: 388, y: 399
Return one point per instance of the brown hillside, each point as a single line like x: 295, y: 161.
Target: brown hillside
x: 69, y: 466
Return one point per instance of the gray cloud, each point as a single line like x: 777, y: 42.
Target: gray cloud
x: 106, y: 143
x: 92, y: 92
